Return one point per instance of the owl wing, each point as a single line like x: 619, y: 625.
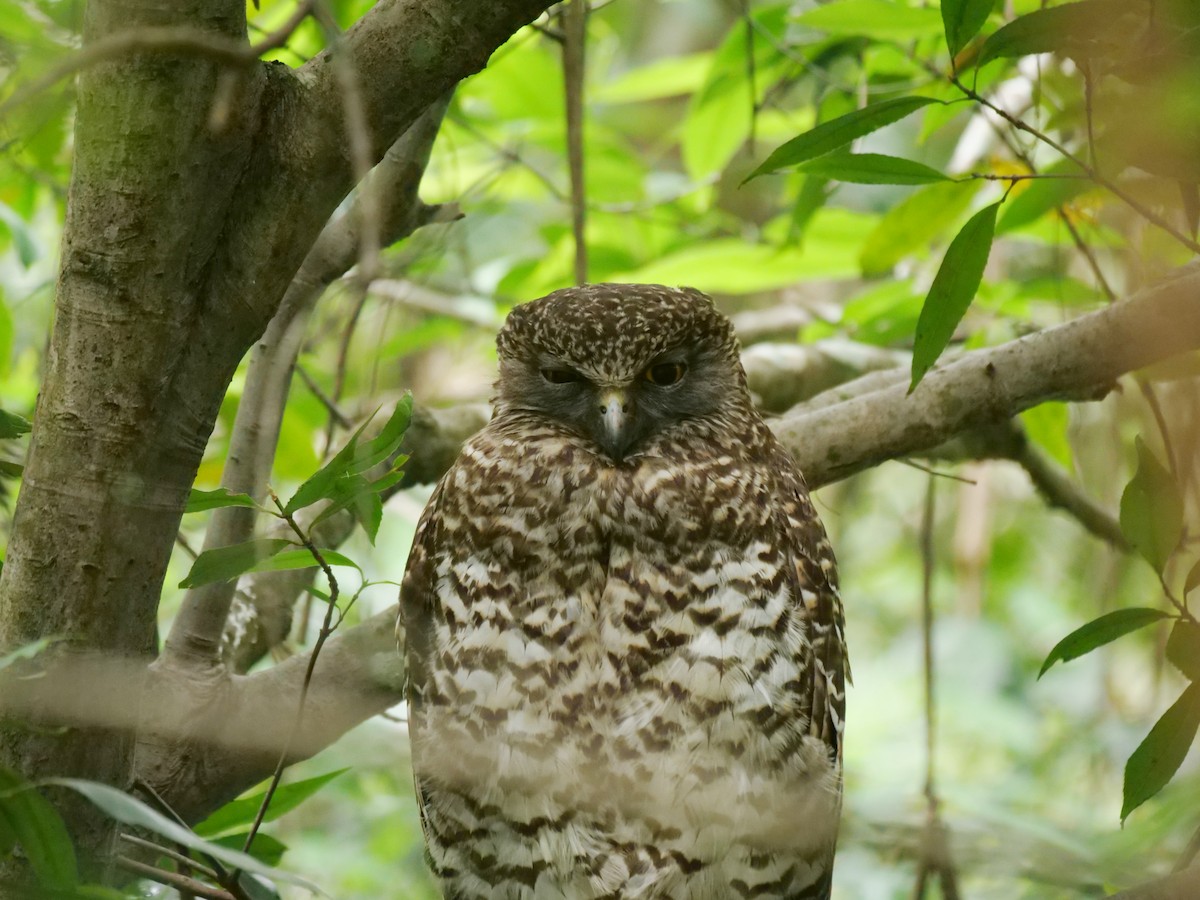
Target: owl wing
x: 415, y: 622
x: 419, y: 606
x: 813, y: 571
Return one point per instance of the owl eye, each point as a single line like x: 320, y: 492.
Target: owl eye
x: 561, y: 375
x: 665, y: 374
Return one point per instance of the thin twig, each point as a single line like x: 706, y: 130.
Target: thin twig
x: 1059, y: 491
x: 1029, y: 176
x: 181, y: 883
x: 927, y: 564
x: 224, y: 877
x: 185, y: 546
x: 1189, y: 853
x: 327, y: 628
x: 1148, y: 214
x: 574, y: 26
x: 343, y: 358
x: 1088, y: 254
x: 330, y: 407
x: 1156, y: 409
x: 929, y: 470
x: 181, y: 858
x: 1088, y: 87
x: 925, y: 863
x: 751, y: 75
x: 935, y: 854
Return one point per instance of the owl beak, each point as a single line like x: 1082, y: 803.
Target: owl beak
x: 614, y: 417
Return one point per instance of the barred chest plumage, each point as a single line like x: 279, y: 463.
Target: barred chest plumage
x: 617, y: 688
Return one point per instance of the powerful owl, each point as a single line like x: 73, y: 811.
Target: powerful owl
x: 624, y: 638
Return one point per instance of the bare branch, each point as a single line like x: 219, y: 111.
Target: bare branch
x: 1183, y: 885
x: 181, y: 883
x: 1079, y: 360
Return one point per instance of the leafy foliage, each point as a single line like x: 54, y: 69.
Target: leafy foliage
x: 1099, y: 632
x: 1152, y: 510
x: 27, y: 819
x: 834, y: 135
x: 1157, y: 758
x: 953, y: 288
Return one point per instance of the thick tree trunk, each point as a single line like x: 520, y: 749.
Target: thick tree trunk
x: 200, y: 182
x: 107, y: 474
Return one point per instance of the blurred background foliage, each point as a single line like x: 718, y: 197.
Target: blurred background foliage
x: 684, y: 99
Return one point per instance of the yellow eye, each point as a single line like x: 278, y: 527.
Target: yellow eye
x: 561, y: 375
x: 665, y: 374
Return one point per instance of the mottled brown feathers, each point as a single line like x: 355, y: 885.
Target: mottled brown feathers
x: 626, y: 665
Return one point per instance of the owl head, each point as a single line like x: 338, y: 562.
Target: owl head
x: 619, y: 363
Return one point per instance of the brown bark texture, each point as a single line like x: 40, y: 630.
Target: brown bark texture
x: 198, y: 188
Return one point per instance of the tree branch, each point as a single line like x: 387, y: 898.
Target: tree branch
x: 1183, y: 885
x: 197, y: 631
x: 1079, y: 360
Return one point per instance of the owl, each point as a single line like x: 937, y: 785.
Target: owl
x: 623, y: 633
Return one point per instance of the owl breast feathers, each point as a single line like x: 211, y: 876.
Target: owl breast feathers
x: 623, y: 633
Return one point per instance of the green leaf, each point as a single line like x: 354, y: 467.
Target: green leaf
x: 671, y: 76
x: 301, y: 559
x: 31, y: 820
x: 878, y: 19
x: 362, y: 498
x: 223, y: 563
x: 1075, y: 29
x: 1099, y: 632
x: 871, y: 168
x: 12, y: 426
x: 8, y: 837
x: 1046, y: 425
x: 23, y: 237
x: 962, y: 20
x: 1041, y: 196
x: 6, y: 336
x: 914, y: 223
x: 131, y: 811
x: 1152, y: 510
x: 720, y: 113
x: 812, y: 196
x: 952, y: 290
x: 266, y: 849
x: 255, y: 888
x: 734, y: 266
x: 1158, y: 757
x: 354, y: 459
x: 1183, y: 648
x: 1193, y: 579
x: 199, y: 500
x: 237, y: 814
x: 837, y: 133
